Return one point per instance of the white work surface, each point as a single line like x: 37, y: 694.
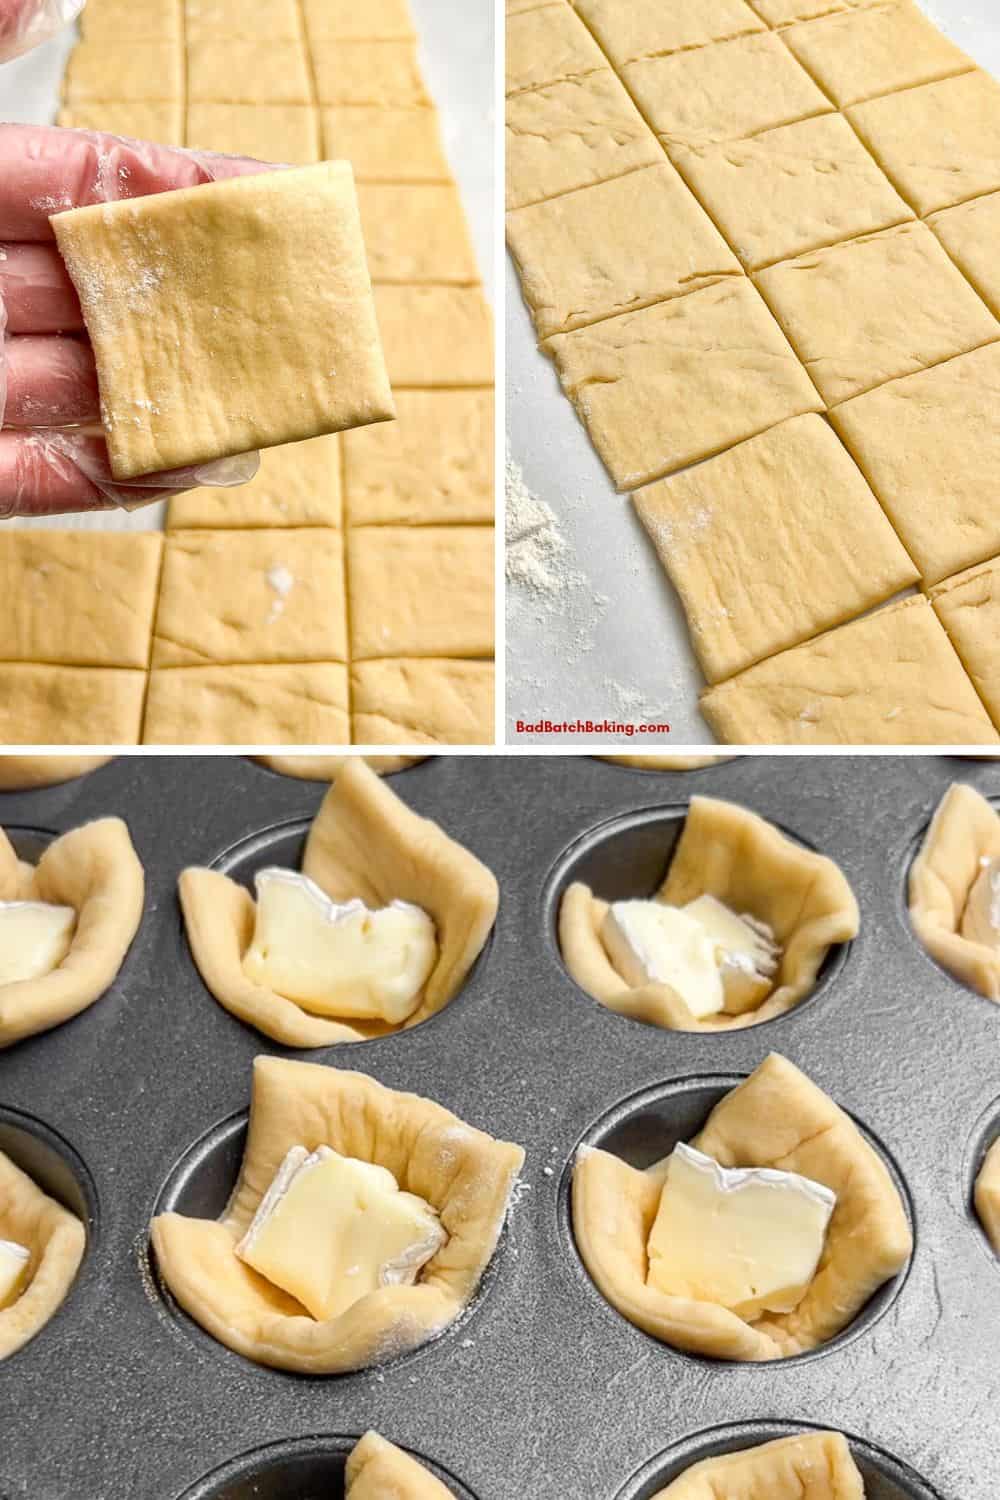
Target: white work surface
x: 612, y: 642
x: 457, y: 54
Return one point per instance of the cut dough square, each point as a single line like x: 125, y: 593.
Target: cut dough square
x: 296, y: 485
x: 346, y: 20
x: 571, y: 134
x: 649, y: 28
x: 420, y: 591
x: 156, y: 120
x: 78, y: 598
x: 929, y: 446
x: 874, y: 50
x: 433, y: 464
x: 422, y: 702
x: 771, y: 543
x: 678, y: 381
x: 436, y: 335
x: 386, y: 145
x: 132, y: 21
x: 940, y: 143
x: 42, y: 705
x: 549, y: 46
x: 260, y: 283
x: 793, y: 189
x: 251, y: 596
x: 292, y: 704
x: 269, y: 132
x: 891, y: 678
x: 970, y: 234
x: 780, y: 13
x: 724, y: 92
x: 221, y: 20
x: 614, y: 247
x: 909, y: 309
x: 382, y: 73
x: 125, y: 70
x: 416, y: 233
x: 244, y: 71
x: 968, y: 607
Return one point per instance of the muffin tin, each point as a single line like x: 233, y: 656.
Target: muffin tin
x: 541, y: 1390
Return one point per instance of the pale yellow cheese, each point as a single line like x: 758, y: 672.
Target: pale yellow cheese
x: 749, y: 1239
x: 652, y: 943
x: 981, y: 918
x: 34, y: 938
x: 745, y: 951
x: 14, y: 1261
x: 339, y: 959
x: 331, y: 1229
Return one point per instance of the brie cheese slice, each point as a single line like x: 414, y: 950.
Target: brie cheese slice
x: 330, y: 1229
x: 747, y: 1238
x: 652, y: 943
x: 34, y: 938
x: 14, y: 1260
x: 981, y: 918
x: 339, y: 959
x: 745, y: 951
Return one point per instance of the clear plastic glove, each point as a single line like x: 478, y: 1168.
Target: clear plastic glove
x: 53, y: 459
x: 27, y: 23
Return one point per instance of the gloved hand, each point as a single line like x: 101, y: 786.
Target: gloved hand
x: 50, y: 463
x: 27, y: 23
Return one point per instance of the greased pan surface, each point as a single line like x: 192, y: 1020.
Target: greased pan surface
x: 542, y: 1391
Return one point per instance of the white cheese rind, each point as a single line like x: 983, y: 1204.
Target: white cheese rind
x: 745, y: 951
x: 652, y: 943
x: 339, y: 959
x: 330, y: 1229
x: 14, y: 1259
x: 747, y: 1238
x: 35, y: 937
x: 981, y: 918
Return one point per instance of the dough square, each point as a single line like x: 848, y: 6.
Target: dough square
x: 875, y: 50
x: 891, y: 678
x: 152, y: 120
x: 422, y: 702
x: 724, y: 92
x: 436, y: 335
x: 420, y: 591
x: 241, y: 70
x: 614, y: 247
x: 968, y: 607
x: 909, y: 309
x: 132, y: 21
x: 416, y: 232
x: 679, y: 381
x: 221, y: 20
x: 940, y: 143
x: 48, y: 705
x: 386, y: 145
x: 929, y: 446
x: 571, y: 134
x: 970, y: 234
x: 434, y: 464
x: 792, y: 189
x: 548, y: 46
x: 772, y: 543
x: 292, y: 704
x: 298, y: 484
x: 347, y: 20
x: 227, y: 317
x: 251, y: 596
x: 125, y: 70
x: 79, y: 598
x: 382, y: 73
x: 648, y: 28
x: 268, y: 132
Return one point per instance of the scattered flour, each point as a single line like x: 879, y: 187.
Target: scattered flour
x: 282, y: 582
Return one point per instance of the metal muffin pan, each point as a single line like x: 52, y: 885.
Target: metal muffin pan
x: 542, y: 1389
